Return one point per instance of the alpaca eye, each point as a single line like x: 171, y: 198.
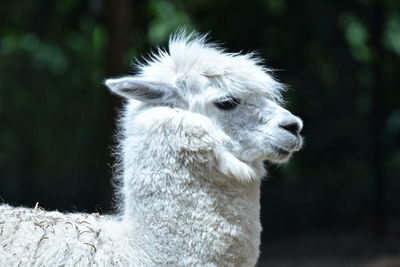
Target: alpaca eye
x: 227, y: 103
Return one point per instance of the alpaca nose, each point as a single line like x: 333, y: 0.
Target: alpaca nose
x: 293, y: 126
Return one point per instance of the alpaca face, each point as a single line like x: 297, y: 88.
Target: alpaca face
x: 258, y: 127
x: 261, y: 130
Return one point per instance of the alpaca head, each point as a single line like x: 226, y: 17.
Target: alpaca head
x: 233, y: 92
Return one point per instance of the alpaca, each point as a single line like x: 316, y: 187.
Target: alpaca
x: 197, y: 125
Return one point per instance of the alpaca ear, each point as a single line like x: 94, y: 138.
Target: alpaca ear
x: 141, y: 89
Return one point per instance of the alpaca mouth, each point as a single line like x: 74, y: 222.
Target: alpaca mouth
x: 282, y: 154
x: 288, y: 147
x: 279, y: 154
x: 282, y: 151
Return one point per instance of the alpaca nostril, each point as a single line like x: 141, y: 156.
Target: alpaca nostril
x: 292, y: 127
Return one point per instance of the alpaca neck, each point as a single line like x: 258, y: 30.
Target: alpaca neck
x: 183, y: 218
x: 182, y: 209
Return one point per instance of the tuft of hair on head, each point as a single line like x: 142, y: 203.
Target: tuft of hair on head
x: 192, y: 55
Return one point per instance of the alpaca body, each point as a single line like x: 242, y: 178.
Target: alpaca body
x: 34, y: 237
x: 202, y: 229
x: 178, y: 211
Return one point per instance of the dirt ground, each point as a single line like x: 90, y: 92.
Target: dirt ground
x: 332, y: 249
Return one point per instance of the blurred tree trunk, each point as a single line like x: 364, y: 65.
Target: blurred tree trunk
x: 118, y: 22
x: 378, y: 120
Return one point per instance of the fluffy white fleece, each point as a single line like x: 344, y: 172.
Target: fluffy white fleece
x: 197, y: 125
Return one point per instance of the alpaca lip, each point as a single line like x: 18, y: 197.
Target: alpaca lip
x: 288, y: 148
x: 292, y: 146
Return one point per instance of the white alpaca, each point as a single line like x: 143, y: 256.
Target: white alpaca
x: 196, y: 128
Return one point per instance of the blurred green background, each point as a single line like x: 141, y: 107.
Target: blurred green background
x: 337, y: 202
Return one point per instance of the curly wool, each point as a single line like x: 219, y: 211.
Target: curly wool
x: 35, y: 237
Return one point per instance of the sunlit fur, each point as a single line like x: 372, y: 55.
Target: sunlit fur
x: 188, y: 174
